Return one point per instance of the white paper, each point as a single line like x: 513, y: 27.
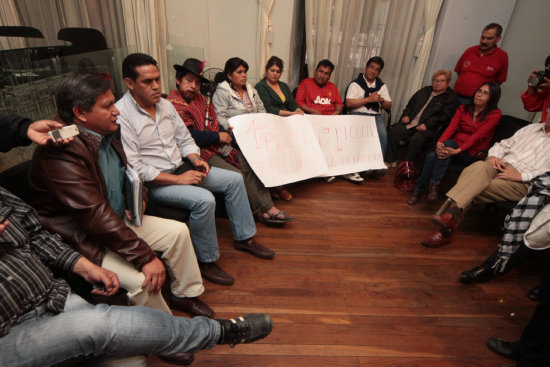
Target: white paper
x: 135, y: 199
x: 280, y: 150
x: 350, y: 143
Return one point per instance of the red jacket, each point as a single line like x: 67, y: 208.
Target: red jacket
x: 471, y: 137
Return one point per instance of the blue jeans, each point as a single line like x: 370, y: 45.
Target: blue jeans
x: 200, y: 202
x: 434, y: 168
x: 380, y: 129
x: 43, y: 338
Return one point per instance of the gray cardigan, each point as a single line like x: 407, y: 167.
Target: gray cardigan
x: 228, y: 104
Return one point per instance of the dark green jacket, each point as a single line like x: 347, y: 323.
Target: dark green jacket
x: 272, y: 102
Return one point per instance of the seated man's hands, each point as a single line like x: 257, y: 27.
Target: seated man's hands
x: 421, y: 127
x: 405, y: 120
x: 225, y: 138
x: 191, y: 177
x: 96, y: 274
x: 154, y: 275
x: 375, y: 98
x: 38, y: 132
x: 201, y: 166
x: 496, y: 163
x: 509, y: 173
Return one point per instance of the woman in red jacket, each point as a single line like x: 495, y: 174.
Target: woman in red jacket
x: 470, y: 131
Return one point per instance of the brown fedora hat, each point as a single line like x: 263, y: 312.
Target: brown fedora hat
x: 193, y: 66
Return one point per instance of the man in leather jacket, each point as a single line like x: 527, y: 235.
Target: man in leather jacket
x: 78, y: 193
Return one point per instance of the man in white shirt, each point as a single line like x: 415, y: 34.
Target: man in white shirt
x: 157, y: 143
x: 503, y: 176
x: 368, y: 95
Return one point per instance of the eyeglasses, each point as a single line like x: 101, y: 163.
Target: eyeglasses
x: 484, y: 92
x: 440, y: 81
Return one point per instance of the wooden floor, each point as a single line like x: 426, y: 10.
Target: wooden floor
x: 351, y: 285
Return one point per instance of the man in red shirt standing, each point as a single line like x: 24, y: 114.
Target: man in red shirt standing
x: 317, y: 95
x: 479, y: 64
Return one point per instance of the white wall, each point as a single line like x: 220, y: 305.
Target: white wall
x: 525, y: 39
x: 527, y: 45
x: 459, y: 26
x: 216, y: 30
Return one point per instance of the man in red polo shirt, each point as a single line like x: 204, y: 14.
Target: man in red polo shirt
x: 479, y: 64
x: 317, y: 95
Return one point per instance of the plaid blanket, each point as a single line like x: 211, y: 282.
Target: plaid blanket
x: 518, y: 221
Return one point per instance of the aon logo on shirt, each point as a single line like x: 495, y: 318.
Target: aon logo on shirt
x: 320, y: 100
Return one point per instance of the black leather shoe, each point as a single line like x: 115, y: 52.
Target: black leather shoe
x: 245, y: 329
x: 179, y: 358
x: 253, y: 247
x: 502, y: 348
x: 192, y: 306
x: 213, y: 273
x: 534, y: 294
x: 477, y: 274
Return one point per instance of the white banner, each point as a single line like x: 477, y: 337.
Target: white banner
x: 282, y: 150
x: 350, y: 143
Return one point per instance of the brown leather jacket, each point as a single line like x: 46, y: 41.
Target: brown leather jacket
x: 68, y: 190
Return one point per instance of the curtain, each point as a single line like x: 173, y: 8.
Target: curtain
x: 9, y: 17
x: 145, y: 27
x: 265, y: 33
x: 49, y: 16
x: 349, y: 32
x: 424, y: 45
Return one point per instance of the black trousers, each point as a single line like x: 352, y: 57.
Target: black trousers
x: 533, y: 348
x: 418, y: 140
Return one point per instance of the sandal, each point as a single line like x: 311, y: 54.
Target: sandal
x: 284, y: 219
x: 272, y: 220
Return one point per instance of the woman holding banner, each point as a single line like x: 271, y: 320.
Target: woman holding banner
x: 234, y: 97
x: 215, y: 142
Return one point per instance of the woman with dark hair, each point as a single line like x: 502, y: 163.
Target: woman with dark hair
x: 469, y: 132
x: 275, y: 94
x: 234, y: 97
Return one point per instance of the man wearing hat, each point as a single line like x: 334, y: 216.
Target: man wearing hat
x: 215, y: 141
x: 158, y: 146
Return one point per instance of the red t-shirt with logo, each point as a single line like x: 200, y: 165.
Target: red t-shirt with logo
x: 324, y: 99
x: 473, y: 69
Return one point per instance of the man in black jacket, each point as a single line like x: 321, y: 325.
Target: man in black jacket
x: 428, y: 109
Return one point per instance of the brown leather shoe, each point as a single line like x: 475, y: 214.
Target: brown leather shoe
x: 414, y: 198
x: 213, y: 273
x: 433, y: 192
x: 436, y: 239
x: 253, y: 247
x: 192, y: 306
x: 178, y: 358
x: 445, y: 221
